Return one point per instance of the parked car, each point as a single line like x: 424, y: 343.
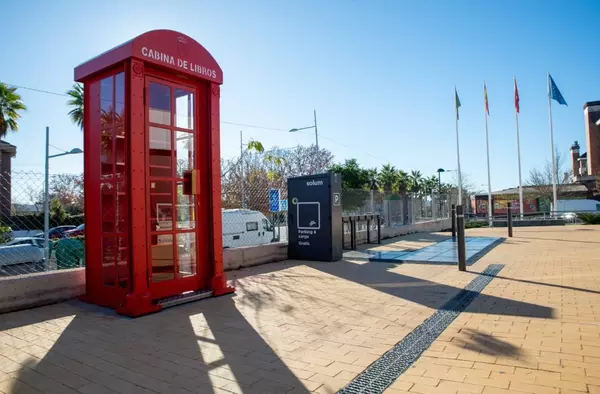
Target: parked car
x: 56, y: 232
x: 22, y: 250
x: 76, y: 232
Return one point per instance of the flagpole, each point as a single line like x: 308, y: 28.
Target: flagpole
x: 458, y: 156
x: 554, y: 194
x: 519, y: 160
x: 487, y: 147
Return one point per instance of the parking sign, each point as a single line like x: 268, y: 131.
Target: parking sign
x: 274, y: 200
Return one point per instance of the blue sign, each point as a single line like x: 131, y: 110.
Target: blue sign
x: 274, y: 200
x: 283, y: 205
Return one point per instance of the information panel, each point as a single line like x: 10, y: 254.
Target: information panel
x: 315, y: 217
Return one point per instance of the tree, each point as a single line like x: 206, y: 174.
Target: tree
x: 468, y: 188
x: 430, y: 184
x: 250, y: 177
x: 353, y: 175
x: 302, y: 160
x: 387, y: 178
x: 541, y: 178
x: 76, y: 103
x: 11, y: 106
x: 356, y: 184
x: 415, y: 181
x: 67, y: 190
x: 402, y: 185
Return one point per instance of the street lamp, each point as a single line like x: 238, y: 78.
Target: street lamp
x: 439, y: 171
x: 310, y: 127
x: 73, y: 151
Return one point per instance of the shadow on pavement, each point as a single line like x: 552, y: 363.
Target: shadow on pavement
x: 192, y: 348
x: 431, y: 294
x: 548, y: 284
x: 486, y: 344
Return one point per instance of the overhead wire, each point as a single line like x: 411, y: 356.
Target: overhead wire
x: 223, y: 121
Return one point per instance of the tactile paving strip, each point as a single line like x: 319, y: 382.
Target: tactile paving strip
x: 385, y: 370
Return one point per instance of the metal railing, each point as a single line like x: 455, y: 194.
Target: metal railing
x: 364, y: 224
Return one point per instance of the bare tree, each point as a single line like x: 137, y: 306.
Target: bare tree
x: 267, y: 169
x: 541, y: 178
x: 468, y: 187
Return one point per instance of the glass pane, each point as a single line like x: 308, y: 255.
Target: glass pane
x: 185, y: 152
x: 162, y: 257
x: 159, y: 103
x: 184, y: 109
x: 160, y: 152
x: 123, y: 263
x: 121, y: 212
x: 106, y: 152
x: 185, y: 209
x: 161, y: 206
x: 186, y: 254
x: 119, y: 97
x: 106, y: 102
x: 120, y: 152
x: 108, y: 209
x: 109, y: 249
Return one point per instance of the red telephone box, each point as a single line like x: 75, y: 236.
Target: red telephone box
x: 152, y: 174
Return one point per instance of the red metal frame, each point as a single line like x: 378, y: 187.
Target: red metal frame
x: 175, y: 60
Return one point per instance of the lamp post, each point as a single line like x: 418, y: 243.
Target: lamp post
x: 73, y: 151
x: 439, y: 171
x: 310, y: 127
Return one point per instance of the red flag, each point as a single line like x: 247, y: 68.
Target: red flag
x: 516, y: 96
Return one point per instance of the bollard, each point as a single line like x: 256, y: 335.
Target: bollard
x: 378, y: 229
x: 453, y: 217
x: 509, y: 220
x: 460, y: 224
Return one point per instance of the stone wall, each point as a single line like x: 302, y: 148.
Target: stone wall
x: 33, y: 290
x: 42, y: 288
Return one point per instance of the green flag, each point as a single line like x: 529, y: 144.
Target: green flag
x: 456, y: 102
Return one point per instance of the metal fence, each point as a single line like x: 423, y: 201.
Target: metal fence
x: 22, y: 244
x: 254, y: 213
x: 396, y: 209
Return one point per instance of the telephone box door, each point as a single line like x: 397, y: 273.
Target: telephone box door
x: 172, y: 203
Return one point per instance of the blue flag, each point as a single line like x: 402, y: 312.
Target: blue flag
x: 554, y: 92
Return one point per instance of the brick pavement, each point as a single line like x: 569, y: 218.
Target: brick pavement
x: 299, y: 328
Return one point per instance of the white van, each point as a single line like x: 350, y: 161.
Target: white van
x: 243, y: 227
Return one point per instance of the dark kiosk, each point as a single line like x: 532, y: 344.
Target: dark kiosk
x: 315, y: 217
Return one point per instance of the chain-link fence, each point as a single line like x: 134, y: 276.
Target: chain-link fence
x: 254, y: 213
x: 22, y: 241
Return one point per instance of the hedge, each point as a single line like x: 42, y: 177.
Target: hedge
x: 589, y: 218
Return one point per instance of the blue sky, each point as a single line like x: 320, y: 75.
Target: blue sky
x: 379, y: 73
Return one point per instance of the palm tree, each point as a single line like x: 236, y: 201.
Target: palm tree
x: 387, y: 178
x: 76, y: 104
x: 402, y: 185
x: 10, y: 106
x: 372, y: 178
x: 415, y: 181
x: 430, y: 185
